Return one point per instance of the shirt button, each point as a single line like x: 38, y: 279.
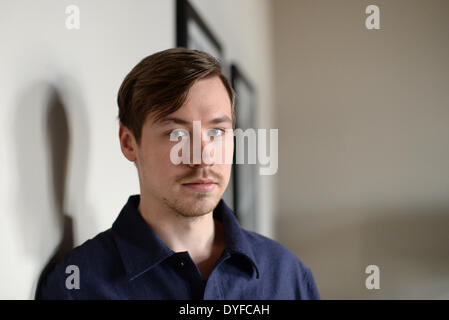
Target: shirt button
x: 182, y: 264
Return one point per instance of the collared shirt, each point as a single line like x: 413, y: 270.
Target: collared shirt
x: 129, y: 261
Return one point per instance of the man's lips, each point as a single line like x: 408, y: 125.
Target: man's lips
x: 201, y: 185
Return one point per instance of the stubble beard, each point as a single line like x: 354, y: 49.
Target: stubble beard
x: 192, y: 206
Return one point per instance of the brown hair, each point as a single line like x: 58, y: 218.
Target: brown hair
x: 159, y: 85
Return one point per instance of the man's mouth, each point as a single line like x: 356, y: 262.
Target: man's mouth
x: 202, y: 185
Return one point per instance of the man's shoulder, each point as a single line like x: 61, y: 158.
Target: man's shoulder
x: 96, y: 258
x: 93, y: 250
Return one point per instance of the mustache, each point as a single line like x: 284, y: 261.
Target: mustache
x: 200, y: 174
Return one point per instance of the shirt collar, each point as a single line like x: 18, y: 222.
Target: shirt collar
x: 141, y: 249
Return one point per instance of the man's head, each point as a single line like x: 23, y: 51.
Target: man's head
x: 167, y: 91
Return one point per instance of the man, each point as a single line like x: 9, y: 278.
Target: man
x: 177, y: 239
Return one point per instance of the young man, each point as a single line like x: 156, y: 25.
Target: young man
x: 177, y: 239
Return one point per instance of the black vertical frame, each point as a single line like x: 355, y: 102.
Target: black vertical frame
x: 184, y: 13
x: 239, y: 189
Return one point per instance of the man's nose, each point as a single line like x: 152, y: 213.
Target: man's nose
x: 197, y: 152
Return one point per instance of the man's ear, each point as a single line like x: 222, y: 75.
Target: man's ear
x: 128, y: 143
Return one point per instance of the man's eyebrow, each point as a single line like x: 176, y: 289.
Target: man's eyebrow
x: 174, y: 119
x: 221, y: 120
x: 185, y: 122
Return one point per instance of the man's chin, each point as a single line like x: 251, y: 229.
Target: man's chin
x: 194, y: 206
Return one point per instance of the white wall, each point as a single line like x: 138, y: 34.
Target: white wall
x: 364, y: 153
x: 73, y: 77
x: 39, y: 56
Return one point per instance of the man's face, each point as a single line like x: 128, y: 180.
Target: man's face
x: 181, y: 187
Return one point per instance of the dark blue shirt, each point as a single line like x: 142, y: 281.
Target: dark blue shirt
x: 129, y: 261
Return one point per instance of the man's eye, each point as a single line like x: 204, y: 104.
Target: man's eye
x: 175, y: 134
x: 216, y: 132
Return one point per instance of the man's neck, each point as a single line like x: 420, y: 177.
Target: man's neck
x: 203, y: 237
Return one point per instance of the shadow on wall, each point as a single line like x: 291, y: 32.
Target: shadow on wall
x: 409, y: 245
x: 45, y: 146
x: 59, y: 142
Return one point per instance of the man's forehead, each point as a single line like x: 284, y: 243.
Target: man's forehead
x: 207, y: 95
